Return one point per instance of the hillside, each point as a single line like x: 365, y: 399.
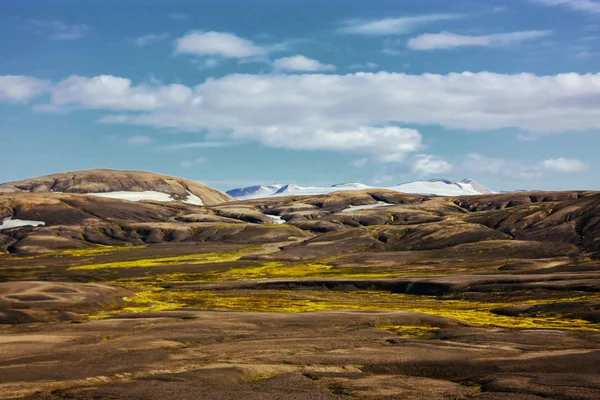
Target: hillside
x: 127, y: 185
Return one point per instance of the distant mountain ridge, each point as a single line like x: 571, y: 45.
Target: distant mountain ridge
x: 435, y: 187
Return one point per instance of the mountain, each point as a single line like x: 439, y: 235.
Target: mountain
x: 125, y: 185
x: 442, y: 187
x: 257, y: 190
x: 435, y: 187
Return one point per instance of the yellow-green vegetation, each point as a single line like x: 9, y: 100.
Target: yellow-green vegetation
x: 473, y: 312
x: 274, y: 270
x: 265, y: 270
x: 191, y: 259
x: 410, y: 331
x: 92, y: 251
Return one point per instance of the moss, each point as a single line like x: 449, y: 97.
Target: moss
x: 92, y: 251
x: 410, y: 331
x: 473, y: 312
x: 193, y: 259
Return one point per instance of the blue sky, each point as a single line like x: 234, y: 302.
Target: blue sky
x: 235, y: 93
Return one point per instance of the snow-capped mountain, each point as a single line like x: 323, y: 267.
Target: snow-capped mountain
x: 435, y: 187
x: 443, y: 187
x: 256, y: 191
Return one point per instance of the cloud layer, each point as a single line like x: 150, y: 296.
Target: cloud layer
x: 447, y: 40
x: 391, y: 26
x: 587, y: 6
x: 359, y: 113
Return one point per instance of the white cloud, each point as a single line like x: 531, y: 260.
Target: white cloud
x: 369, y: 65
x: 300, y: 63
x: 355, y: 113
x: 139, y: 140
x: 427, y: 164
x: 563, y: 165
x: 59, y: 30
x: 587, y: 6
x: 448, y: 40
x: 149, y: 39
x: 473, y: 101
x: 223, y: 44
x: 499, y: 9
x: 192, y: 163
x: 360, y: 163
x: 21, y: 89
x: 392, y: 26
x: 114, y: 93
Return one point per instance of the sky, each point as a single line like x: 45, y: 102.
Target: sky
x: 234, y: 93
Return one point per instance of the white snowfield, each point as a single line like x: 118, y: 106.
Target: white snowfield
x: 149, y: 195
x: 367, y: 206
x: 8, y: 223
x: 434, y: 187
x: 276, y: 219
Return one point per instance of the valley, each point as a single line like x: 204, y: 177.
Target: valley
x: 368, y: 294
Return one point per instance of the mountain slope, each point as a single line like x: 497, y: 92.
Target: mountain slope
x: 435, y: 187
x: 126, y: 185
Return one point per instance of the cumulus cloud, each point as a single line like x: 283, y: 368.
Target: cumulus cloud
x: 139, y: 140
x: 391, y: 26
x: 21, y: 89
x: 587, y: 6
x: 357, y: 113
x: 473, y: 101
x: 114, y: 93
x: 426, y: 164
x: 300, y: 63
x: 59, y: 30
x: 192, y: 163
x: 563, y: 165
x: 149, y: 39
x: 448, y: 40
x: 222, y: 44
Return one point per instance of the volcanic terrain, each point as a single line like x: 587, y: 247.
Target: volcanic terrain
x: 186, y: 293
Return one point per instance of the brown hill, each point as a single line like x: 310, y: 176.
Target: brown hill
x: 109, y: 180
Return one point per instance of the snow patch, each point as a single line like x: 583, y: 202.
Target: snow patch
x: 149, y: 195
x: 276, y: 219
x: 193, y: 199
x: 136, y: 196
x: 8, y: 223
x: 367, y: 206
